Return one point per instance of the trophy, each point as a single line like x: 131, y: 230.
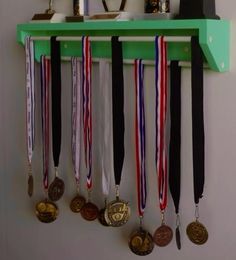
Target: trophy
x: 197, y: 9
x: 76, y: 11
x: 49, y: 15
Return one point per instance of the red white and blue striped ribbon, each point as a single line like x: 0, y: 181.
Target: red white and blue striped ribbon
x: 45, y: 83
x: 30, y: 97
x: 140, y: 136
x: 76, y: 115
x: 87, y: 105
x: 161, y: 112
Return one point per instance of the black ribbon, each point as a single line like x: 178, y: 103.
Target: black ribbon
x: 118, y: 107
x: 56, y: 98
x: 197, y: 119
x: 175, y: 133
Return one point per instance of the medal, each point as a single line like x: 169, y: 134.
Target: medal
x: 89, y: 211
x: 163, y: 235
x: 105, y: 132
x: 118, y: 211
x: 78, y: 201
x: 57, y: 187
x: 196, y: 231
x: 46, y: 211
x: 140, y: 242
x: 30, y: 108
x: 175, y: 143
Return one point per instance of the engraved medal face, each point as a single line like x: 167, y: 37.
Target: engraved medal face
x: 77, y: 204
x: 56, y: 189
x: 163, y: 235
x: 101, y: 217
x: 141, y: 242
x: 117, y: 213
x: 46, y: 211
x: 89, y: 211
x: 197, y: 233
x: 30, y: 186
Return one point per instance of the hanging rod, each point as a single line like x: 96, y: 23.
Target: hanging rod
x: 121, y: 38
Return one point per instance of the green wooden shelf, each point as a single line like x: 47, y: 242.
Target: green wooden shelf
x: 213, y: 38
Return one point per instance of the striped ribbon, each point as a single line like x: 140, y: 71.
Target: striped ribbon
x: 161, y: 112
x: 87, y: 105
x: 140, y: 136
x: 30, y: 97
x: 76, y: 115
x: 45, y: 83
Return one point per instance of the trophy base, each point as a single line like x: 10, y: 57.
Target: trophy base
x: 153, y: 16
x: 74, y: 19
x: 119, y: 16
x: 48, y: 18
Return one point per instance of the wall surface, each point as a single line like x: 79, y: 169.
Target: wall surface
x: 23, y: 237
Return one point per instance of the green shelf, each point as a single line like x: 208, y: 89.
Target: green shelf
x: 213, y: 38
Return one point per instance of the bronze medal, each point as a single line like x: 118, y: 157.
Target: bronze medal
x: 163, y: 235
x: 197, y: 233
x: 89, y: 211
x: 46, y: 211
x: 117, y: 213
x: 56, y: 189
x: 101, y: 217
x: 77, y: 204
x: 30, y: 185
x: 141, y: 242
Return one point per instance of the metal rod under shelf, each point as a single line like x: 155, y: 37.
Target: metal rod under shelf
x: 121, y: 38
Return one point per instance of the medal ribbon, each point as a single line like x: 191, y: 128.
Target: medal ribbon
x: 30, y: 98
x: 197, y: 120
x: 45, y: 82
x: 56, y: 99
x: 118, y: 108
x: 87, y: 105
x: 76, y: 115
x: 161, y: 112
x: 140, y: 136
x: 105, y: 126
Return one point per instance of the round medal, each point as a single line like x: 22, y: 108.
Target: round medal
x: 163, y: 235
x: 46, y: 211
x: 30, y: 185
x: 56, y: 189
x: 77, y: 204
x: 117, y: 213
x: 89, y: 211
x: 141, y: 242
x: 101, y: 217
x: 197, y: 233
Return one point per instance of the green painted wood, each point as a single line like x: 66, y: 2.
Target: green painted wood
x: 213, y: 38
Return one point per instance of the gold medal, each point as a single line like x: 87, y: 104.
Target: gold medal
x: 56, y: 189
x: 117, y: 213
x: 30, y: 185
x: 163, y: 235
x: 46, y: 211
x: 141, y: 242
x: 77, y: 203
x: 197, y: 233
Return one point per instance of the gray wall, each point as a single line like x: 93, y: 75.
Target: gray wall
x: 22, y: 237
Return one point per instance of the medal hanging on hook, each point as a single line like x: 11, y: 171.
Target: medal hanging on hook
x: 78, y: 201
x: 163, y: 235
x: 46, y: 210
x: 57, y: 187
x: 196, y: 231
x: 89, y: 211
x: 118, y: 211
x: 105, y: 131
x: 30, y: 109
x: 141, y: 242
